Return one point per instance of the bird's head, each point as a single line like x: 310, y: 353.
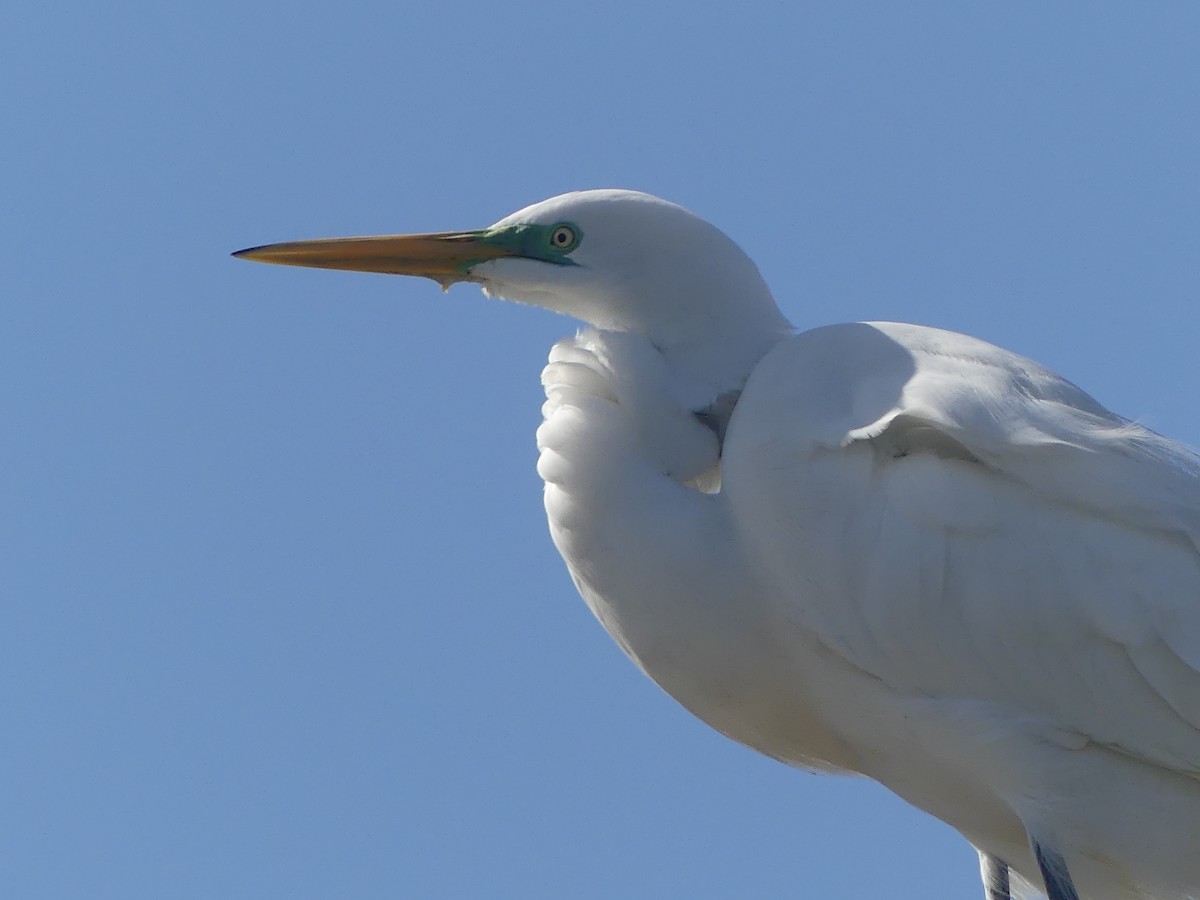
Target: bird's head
x: 617, y: 260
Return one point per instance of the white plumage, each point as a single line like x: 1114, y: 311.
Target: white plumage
x: 873, y: 548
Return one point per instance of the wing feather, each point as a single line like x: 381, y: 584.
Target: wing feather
x: 968, y: 525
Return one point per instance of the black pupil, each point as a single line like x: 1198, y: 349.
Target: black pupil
x: 562, y: 238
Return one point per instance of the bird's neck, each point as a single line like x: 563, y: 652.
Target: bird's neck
x: 659, y: 561
x: 650, y: 554
x: 711, y: 350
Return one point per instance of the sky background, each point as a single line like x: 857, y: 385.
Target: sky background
x: 279, y: 615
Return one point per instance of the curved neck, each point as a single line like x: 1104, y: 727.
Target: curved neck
x: 712, y: 324
x: 660, y: 564
x: 620, y: 442
x: 656, y: 561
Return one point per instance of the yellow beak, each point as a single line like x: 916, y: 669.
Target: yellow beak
x: 446, y: 257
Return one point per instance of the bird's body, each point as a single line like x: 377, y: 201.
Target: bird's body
x: 873, y: 548
x: 978, y: 610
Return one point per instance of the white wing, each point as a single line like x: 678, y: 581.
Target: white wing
x: 962, y: 523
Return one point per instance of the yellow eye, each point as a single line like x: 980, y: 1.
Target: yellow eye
x: 563, y: 237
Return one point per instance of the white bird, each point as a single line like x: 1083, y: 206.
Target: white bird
x: 872, y: 548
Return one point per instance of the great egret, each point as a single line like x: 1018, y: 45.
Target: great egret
x: 874, y: 548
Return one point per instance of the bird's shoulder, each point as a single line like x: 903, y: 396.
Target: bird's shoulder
x: 911, y: 389
x: 854, y: 373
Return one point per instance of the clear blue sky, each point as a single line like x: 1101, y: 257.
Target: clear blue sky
x: 279, y: 614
